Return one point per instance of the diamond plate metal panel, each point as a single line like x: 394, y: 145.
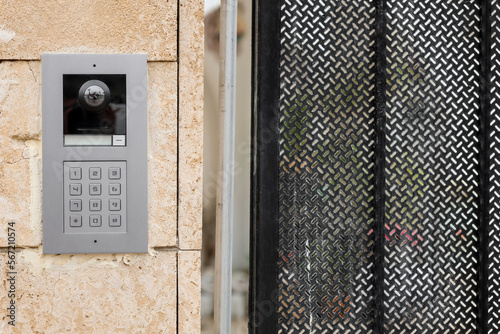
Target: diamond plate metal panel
x: 432, y: 149
x: 494, y: 214
x: 326, y: 177
x: 326, y: 167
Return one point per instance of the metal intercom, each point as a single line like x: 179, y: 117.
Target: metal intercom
x: 94, y: 128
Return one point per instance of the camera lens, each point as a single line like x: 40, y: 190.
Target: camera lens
x: 94, y: 95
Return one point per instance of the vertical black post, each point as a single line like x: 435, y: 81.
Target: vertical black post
x: 380, y: 138
x: 264, y: 241
x: 484, y: 164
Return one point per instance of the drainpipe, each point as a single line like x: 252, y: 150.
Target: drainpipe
x: 225, y: 189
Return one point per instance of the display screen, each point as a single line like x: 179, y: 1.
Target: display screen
x: 94, y: 106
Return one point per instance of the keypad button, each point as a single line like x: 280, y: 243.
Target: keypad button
x: 75, y: 205
x: 95, y: 189
x: 95, y: 220
x: 95, y: 205
x: 115, y: 189
x: 115, y: 220
x: 75, y: 221
x: 75, y: 173
x: 114, y: 204
x: 75, y: 189
x: 114, y: 173
x: 94, y: 173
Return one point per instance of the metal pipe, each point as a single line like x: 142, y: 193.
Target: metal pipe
x: 225, y: 189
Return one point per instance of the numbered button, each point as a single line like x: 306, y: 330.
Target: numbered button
x: 114, y: 173
x: 115, y: 189
x: 75, y: 189
x: 75, y: 205
x: 94, y: 173
x: 95, y: 221
x: 75, y: 221
x: 95, y: 205
x: 114, y: 204
x: 95, y: 189
x: 115, y: 220
x: 75, y: 173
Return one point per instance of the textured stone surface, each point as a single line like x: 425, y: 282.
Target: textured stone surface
x: 20, y: 159
x: 31, y: 27
x: 93, y: 293
x: 20, y: 151
x: 162, y: 107
x: 189, y: 292
x: 190, y: 122
x: 105, y: 293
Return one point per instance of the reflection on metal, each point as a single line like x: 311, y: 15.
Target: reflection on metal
x: 224, y: 228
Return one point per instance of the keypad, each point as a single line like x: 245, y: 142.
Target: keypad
x: 95, y: 196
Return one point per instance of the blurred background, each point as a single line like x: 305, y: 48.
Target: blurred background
x: 241, y: 165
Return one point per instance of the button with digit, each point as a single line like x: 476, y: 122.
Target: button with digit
x: 95, y: 205
x: 75, y: 189
x: 75, y: 173
x: 114, y: 189
x: 94, y: 173
x: 114, y: 204
x: 95, y: 189
x: 75, y: 205
x: 95, y: 221
x: 114, y: 173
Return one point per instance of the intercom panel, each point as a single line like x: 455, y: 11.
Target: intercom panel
x: 94, y: 137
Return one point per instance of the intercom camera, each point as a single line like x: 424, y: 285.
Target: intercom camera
x: 94, y: 137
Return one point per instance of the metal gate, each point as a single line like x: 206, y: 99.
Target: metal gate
x: 376, y: 167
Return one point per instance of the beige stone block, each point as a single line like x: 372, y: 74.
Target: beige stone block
x: 31, y: 27
x: 105, y: 293
x: 20, y: 114
x: 20, y: 147
x: 162, y: 106
x: 190, y: 123
x: 189, y: 292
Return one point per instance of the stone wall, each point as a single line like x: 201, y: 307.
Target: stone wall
x: 157, y: 292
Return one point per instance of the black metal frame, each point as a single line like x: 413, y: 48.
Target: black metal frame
x: 380, y: 141
x: 265, y: 157
x: 484, y: 164
x: 264, y: 177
